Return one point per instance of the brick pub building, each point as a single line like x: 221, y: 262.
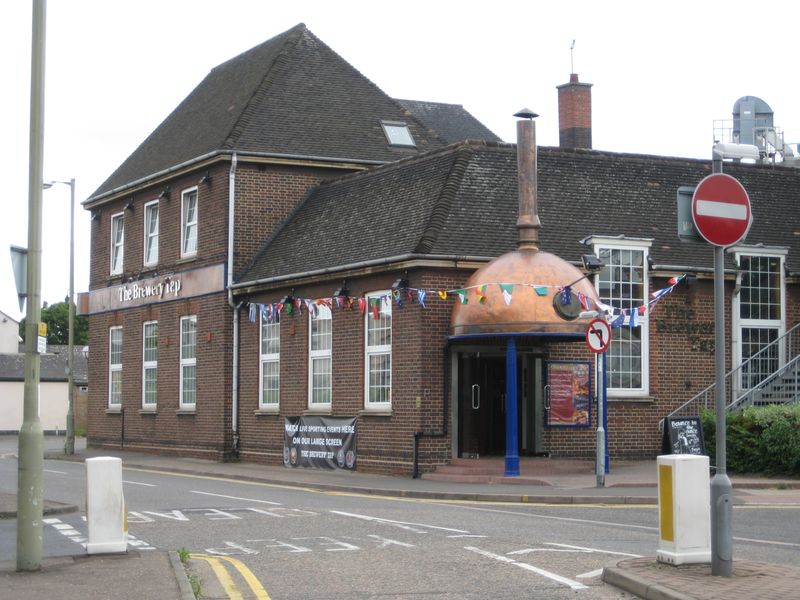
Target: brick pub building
x: 292, y: 243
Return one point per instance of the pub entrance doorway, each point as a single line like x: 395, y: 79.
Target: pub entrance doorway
x: 481, y: 419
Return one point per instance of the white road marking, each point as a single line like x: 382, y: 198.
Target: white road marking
x: 387, y: 542
x: 138, y: 483
x: 590, y: 574
x: 575, y: 585
x: 596, y: 550
x: 401, y: 524
x: 76, y: 536
x: 236, y: 498
x: 532, y: 550
x: 725, y: 210
x: 757, y: 541
x: 56, y: 472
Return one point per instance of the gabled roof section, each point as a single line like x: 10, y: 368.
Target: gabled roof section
x: 462, y: 201
x: 451, y: 121
x: 290, y: 96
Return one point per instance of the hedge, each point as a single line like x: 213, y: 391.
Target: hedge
x: 764, y: 439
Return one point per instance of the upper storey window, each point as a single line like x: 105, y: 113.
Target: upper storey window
x: 117, y: 242
x: 151, y: 233
x: 189, y: 223
x: 397, y: 134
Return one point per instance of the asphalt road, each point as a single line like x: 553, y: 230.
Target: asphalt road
x: 301, y: 543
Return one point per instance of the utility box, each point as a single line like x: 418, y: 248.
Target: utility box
x: 105, y: 506
x: 684, y: 509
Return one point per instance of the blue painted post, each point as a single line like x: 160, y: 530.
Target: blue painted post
x: 512, y: 443
x: 605, y: 409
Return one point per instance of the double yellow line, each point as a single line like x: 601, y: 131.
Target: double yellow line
x: 227, y: 581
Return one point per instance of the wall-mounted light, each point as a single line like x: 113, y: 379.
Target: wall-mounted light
x: 206, y: 178
x: 95, y: 215
x: 401, y: 283
x: 164, y: 194
x: 342, y: 291
x: 129, y: 205
x: 592, y: 262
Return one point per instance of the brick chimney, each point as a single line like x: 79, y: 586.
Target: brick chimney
x: 575, y: 114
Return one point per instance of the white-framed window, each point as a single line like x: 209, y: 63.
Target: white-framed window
x: 270, y: 372
x: 151, y: 233
x: 759, y: 316
x: 624, y: 284
x: 320, y: 358
x: 378, y: 352
x: 117, y: 242
x: 149, y: 364
x: 115, y: 367
x: 188, y: 384
x: 189, y: 222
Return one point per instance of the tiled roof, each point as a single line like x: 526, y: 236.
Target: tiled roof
x: 291, y: 95
x: 53, y: 366
x: 462, y: 201
x: 451, y: 121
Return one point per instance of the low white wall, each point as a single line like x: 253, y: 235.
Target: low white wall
x: 52, y: 405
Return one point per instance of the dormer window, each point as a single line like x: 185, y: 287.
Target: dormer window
x: 397, y: 134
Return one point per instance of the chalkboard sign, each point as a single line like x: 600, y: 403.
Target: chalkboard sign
x: 683, y: 435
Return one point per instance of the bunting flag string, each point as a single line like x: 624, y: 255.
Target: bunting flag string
x: 616, y: 317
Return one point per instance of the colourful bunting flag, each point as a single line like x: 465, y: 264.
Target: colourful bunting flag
x: 442, y: 295
x: 480, y: 292
x: 507, y: 289
x: 362, y: 305
x: 252, y: 312
x: 642, y: 309
x: 584, y: 300
x: 632, y: 318
x: 421, y: 294
x: 566, y: 295
x: 541, y: 290
x: 618, y: 322
x: 462, y: 295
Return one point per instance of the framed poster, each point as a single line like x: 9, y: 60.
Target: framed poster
x: 568, y: 394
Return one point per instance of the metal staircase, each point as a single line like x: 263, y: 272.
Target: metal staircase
x: 748, y: 384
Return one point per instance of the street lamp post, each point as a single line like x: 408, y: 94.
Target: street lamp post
x: 69, y: 443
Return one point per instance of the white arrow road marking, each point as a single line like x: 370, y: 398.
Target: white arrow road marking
x: 598, y: 550
x: 724, y: 210
x: 575, y: 585
x: 590, y: 574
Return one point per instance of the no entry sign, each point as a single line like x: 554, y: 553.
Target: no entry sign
x: 721, y: 210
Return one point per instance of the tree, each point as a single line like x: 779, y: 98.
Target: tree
x: 57, y: 318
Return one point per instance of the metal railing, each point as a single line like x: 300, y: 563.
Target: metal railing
x: 787, y: 346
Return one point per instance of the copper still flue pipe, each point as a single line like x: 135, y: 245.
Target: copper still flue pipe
x: 528, y: 223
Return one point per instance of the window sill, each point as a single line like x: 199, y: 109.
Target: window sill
x: 261, y: 412
x: 114, y: 411
x: 148, y: 411
x: 186, y: 259
x: 635, y: 399
x: 185, y: 411
x: 372, y: 412
x: 318, y: 411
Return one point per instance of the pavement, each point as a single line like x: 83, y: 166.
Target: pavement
x: 159, y: 574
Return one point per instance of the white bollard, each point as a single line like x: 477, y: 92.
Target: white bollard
x: 684, y: 509
x: 105, y: 506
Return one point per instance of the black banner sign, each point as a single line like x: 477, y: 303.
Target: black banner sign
x: 683, y: 435
x: 320, y: 442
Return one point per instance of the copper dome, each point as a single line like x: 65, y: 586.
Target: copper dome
x: 528, y: 311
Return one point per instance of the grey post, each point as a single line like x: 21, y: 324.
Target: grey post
x: 721, y: 489
x: 30, y: 467
x: 69, y: 441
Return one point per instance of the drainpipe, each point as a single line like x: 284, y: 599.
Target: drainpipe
x: 235, y: 307
x: 445, y: 403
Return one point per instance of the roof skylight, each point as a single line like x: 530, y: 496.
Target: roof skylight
x: 397, y: 134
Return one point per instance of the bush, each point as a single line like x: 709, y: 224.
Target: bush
x: 759, y: 439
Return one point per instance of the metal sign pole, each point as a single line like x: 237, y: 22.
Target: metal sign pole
x: 600, y: 460
x: 721, y: 489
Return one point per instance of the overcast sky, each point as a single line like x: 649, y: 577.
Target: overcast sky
x: 662, y: 73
